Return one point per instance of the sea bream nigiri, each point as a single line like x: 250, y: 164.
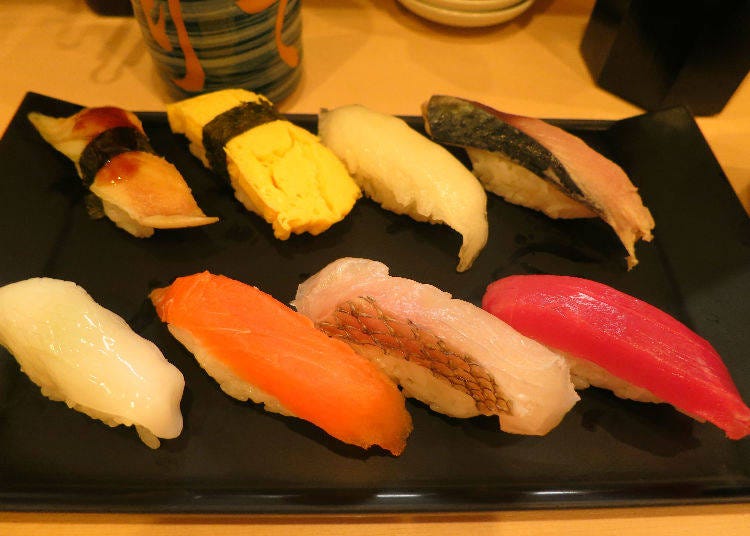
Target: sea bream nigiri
x: 532, y: 163
x: 82, y: 354
x: 259, y: 349
x: 408, y: 174
x: 277, y: 169
x: 618, y: 342
x: 139, y: 190
x: 448, y: 353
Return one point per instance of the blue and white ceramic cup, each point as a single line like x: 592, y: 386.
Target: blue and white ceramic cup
x: 205, y: 45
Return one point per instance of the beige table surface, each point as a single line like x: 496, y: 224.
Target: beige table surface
x: 375, y: 53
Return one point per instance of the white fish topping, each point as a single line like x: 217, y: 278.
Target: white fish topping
x: 533, y: 383
x: 408, y: 174
x: 80, y: 353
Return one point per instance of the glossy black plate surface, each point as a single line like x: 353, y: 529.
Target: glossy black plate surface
x: 233, y: 457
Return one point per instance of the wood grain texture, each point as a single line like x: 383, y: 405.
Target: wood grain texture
x: 727, y: 520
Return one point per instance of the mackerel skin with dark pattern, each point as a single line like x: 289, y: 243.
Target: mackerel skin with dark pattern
x: 463, y: 123
x: 502, y: 145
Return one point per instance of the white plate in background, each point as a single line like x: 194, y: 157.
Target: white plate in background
x: 473, y: 5
x: 465, y: 19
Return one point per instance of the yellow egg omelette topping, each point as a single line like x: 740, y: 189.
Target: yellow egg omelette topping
x: 283, y: 173
x: 278, y: 170
x: 189, y: 116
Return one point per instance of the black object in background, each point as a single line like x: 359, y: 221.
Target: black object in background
x: 663, y: 53
x: 120, y: 8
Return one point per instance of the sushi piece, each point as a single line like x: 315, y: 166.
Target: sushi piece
x: 540, y: 166
x: 82, y: 354
x: 619, y: 342
x: 138, y: 190
x: 448, y: 353
x: 408, y: 174
x: 258, y: 349
x: 277, y: 169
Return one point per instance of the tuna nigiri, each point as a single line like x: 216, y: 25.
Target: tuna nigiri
x: 408, y: 174
x: 82, y: 354
x: 139, y: 191
x: 259, y: 349
x: 448, y: 353
x: 621, y: 343
x: 538, y: 165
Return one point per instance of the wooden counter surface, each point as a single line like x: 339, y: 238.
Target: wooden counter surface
x: 376, y: 53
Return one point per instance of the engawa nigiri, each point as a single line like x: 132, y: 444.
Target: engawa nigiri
x: 408, y: 174
x: 257, y: 348
x: 82, y: 354
x: 448, y: 353
x: 538, y: 165
x: 621, y: 343
x: 139, y: 190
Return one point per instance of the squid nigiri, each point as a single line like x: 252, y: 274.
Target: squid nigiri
x: 258, y: 349
x: 538, y: 165
x: 82, y: 354
x: 621, y: 343
x: 448, y: 353
x: 139, y: 191
x: 408, y: 174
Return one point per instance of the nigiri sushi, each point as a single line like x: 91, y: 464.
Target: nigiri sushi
x: 277, y: 169
x: 540, y: 166
x: 139, y: 190
x: 619, y: 342
x: 408, y: 174
x: 448, y: 353
x: 82, y: 354
x: 258, y: 349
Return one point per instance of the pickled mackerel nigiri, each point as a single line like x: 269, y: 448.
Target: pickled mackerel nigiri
x: 408, y: 174
x: 621, y: 343
x: 259, y: 349
x: 277, y: 169
x: 532, y: 163
x: 139, y: 190
x: 448, y: 353
x: 82, y: 354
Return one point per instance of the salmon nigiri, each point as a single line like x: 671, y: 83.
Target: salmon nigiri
x: 448, y: 353
x: 259, y: 349
x: 619, y: 342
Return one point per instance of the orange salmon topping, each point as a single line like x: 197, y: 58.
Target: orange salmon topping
x: 270, y: 346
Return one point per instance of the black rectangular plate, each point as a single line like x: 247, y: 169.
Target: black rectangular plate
x: 235, y: 458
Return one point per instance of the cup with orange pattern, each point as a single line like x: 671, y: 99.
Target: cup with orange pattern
x: 200, y: 46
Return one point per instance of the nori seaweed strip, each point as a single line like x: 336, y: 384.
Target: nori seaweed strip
x: 225, y: 126
x: 455, y: 121
x: 106, y: 146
